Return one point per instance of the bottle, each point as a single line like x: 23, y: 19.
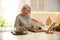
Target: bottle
x: 48, y: 21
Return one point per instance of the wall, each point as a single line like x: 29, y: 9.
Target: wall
x: 0, y: 7
x: 50, y: 5
x: 59, y: 5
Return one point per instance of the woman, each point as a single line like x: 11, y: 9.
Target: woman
x: 23, y: 20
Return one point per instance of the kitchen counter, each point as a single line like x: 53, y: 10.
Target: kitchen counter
x: 30, y: 36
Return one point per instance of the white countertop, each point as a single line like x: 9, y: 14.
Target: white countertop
x: 30, y: 36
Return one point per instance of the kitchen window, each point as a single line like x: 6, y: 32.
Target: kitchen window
x: 37, y: 5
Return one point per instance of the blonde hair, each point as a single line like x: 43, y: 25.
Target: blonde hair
x: 25, y: 6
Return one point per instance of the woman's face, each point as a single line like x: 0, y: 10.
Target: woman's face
x: 26, y: 11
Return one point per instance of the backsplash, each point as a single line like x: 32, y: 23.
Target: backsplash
x: 42, y: 17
